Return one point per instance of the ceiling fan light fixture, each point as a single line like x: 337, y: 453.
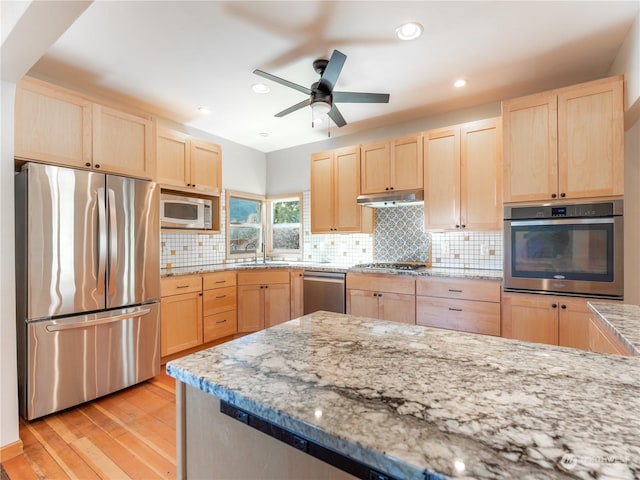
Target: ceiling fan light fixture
x: 319, y: 109
x: 409, y: 31
x: 461, y: 82
x: 260, y: 88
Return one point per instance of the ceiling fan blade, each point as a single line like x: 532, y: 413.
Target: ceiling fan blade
x: 336, y: 116
x: 282, y: 81
x: 295, y: 107
x: 332, y: 70
x: 356, y: 97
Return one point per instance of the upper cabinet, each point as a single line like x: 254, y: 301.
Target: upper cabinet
x: 463, y: 176
x: 565, y: 144
x: 335, y: 186
x: 392, y: 165
x: 54, y: 125
x: 189, y: 164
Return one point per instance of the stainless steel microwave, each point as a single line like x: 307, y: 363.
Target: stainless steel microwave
x: 183, y: 211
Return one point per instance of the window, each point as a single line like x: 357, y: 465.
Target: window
x: 244, y: 225
x: 285, y: 225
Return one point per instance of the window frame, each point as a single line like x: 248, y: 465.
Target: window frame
x: 243, y: 196
x: 271, y: 251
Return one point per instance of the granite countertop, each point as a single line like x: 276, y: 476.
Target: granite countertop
x: 623, y: 320
x: 479, y: 274
x: 411, y: 400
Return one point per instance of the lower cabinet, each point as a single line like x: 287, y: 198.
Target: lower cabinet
x: 459, y: 304
x: 219, y: 301
x: 263, y: 299
x: 603, y: 340
x: 180, y: 313
x: 555, y: 320
x: 380, y: 296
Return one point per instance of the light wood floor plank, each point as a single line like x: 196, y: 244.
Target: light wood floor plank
x: 102, y: 464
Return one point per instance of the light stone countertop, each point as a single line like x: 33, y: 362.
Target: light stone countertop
x: 623, y: 320
x: 411, y: 400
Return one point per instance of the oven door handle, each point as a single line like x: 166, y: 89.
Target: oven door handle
x: 561, y: 221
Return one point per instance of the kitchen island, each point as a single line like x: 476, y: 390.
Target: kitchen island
x: 407, y: 402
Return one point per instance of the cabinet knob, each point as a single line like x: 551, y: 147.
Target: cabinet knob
x: 386, y: 188
x: 458, y: 226
x: 554, y: 305
x: 88, y: 164
x: 97, y: 165
x: 193, y: 185
x: 390, y: 188
x: 564, y: 307
x: 553, y: 195
x: 563, y: 194
x: 464, y: 226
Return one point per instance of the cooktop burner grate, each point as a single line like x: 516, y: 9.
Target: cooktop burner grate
x: 392, y: 266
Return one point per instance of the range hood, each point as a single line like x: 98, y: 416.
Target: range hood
x: 392, y: 199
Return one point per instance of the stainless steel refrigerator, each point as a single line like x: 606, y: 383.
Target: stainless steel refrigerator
x: 87, y: 283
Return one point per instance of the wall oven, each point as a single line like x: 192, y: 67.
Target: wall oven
x: 572, y: 249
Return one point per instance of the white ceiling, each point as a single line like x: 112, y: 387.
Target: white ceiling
x: 173, y: 56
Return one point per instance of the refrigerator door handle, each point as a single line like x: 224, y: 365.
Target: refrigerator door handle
x: 102, y: 240
x: 113, y: 240
x: 133, y: 313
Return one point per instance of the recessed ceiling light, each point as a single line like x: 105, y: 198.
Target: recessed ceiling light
x: 264, y: 134
x: 461, y: 82
x: 260, y: 88
x: 409, y: 31
x: 205, y: 110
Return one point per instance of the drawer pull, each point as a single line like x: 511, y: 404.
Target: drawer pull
x: 182, y: 286
x: 221, y: 321
x: 455, y: 309
x: 221, y: 281
x: 455, y: 291
x: 221, y: 296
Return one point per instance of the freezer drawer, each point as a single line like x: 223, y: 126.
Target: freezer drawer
x: 80, y: 358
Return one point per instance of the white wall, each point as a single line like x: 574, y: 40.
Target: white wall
x: 627, y: 62
x: 288, y: 170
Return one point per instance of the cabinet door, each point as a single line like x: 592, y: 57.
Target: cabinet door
x: 122, y: 143
x: 52, y: 125
x: 172, y: 156
x: 250, y: 308
x: 206, y: 167
x: 397, y: 307
x: 573, y: 330
x: 530, y: 148
x: 591, y: 139
x: 481, y: 175
x: 362, y: 303
x: 322, y: 194
x: 463, y: 315
x: 602, y: 340
x: 532, y: 318
x: 407, y: 163
x: 296, y: 282
x: 347, y: 212
x: 181, y: 322
x: 277, y: 304
x: 442, y: 178
x: 219, y: 300
x: 375, y: 168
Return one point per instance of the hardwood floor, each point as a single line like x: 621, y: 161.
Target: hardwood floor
x: 130, y: 434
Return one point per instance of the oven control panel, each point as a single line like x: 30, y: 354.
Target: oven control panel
x: 579, y: 210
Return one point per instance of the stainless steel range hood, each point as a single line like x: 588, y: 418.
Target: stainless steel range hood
x: 392, y: 199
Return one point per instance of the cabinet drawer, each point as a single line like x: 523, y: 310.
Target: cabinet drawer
x: 463, y: 315
x: 218, y: 280
x: 382, y: 283
x: 182, y: 284
x: 482, y: 290
x: 219, y: 300
x: 220, y: 325
x: 263, y: 277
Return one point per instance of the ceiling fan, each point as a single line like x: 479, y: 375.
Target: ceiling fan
x: 322, y: 98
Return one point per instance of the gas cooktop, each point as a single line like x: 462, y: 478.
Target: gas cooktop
x: 392, y: 266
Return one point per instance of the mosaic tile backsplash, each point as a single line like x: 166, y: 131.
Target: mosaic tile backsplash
x: 399, y: 236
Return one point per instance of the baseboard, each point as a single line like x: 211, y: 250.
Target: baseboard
x: 10, y: 450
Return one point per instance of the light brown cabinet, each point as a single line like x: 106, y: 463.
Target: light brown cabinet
x: 392, y: 165
x: 186, y: 163
x: 459, y: 304
x: 263, y: 299
x: 296, y: 283
x: 463, y: 176
x: 335, y: 186
x: 548, y: 319
x: 180, y: 313
x: 384, y: 297
x: 565, y: 144
x: 603, y: 340
x: 58, y: 126
x: 219, y: 302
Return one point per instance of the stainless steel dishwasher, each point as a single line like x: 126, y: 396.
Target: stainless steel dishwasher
x: 324, y: 291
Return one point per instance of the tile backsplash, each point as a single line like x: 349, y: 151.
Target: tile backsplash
x: 399, y: 236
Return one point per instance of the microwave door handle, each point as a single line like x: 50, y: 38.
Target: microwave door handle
x: 102, y: 240
x: 561, y: 221
x: 113, y: 240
